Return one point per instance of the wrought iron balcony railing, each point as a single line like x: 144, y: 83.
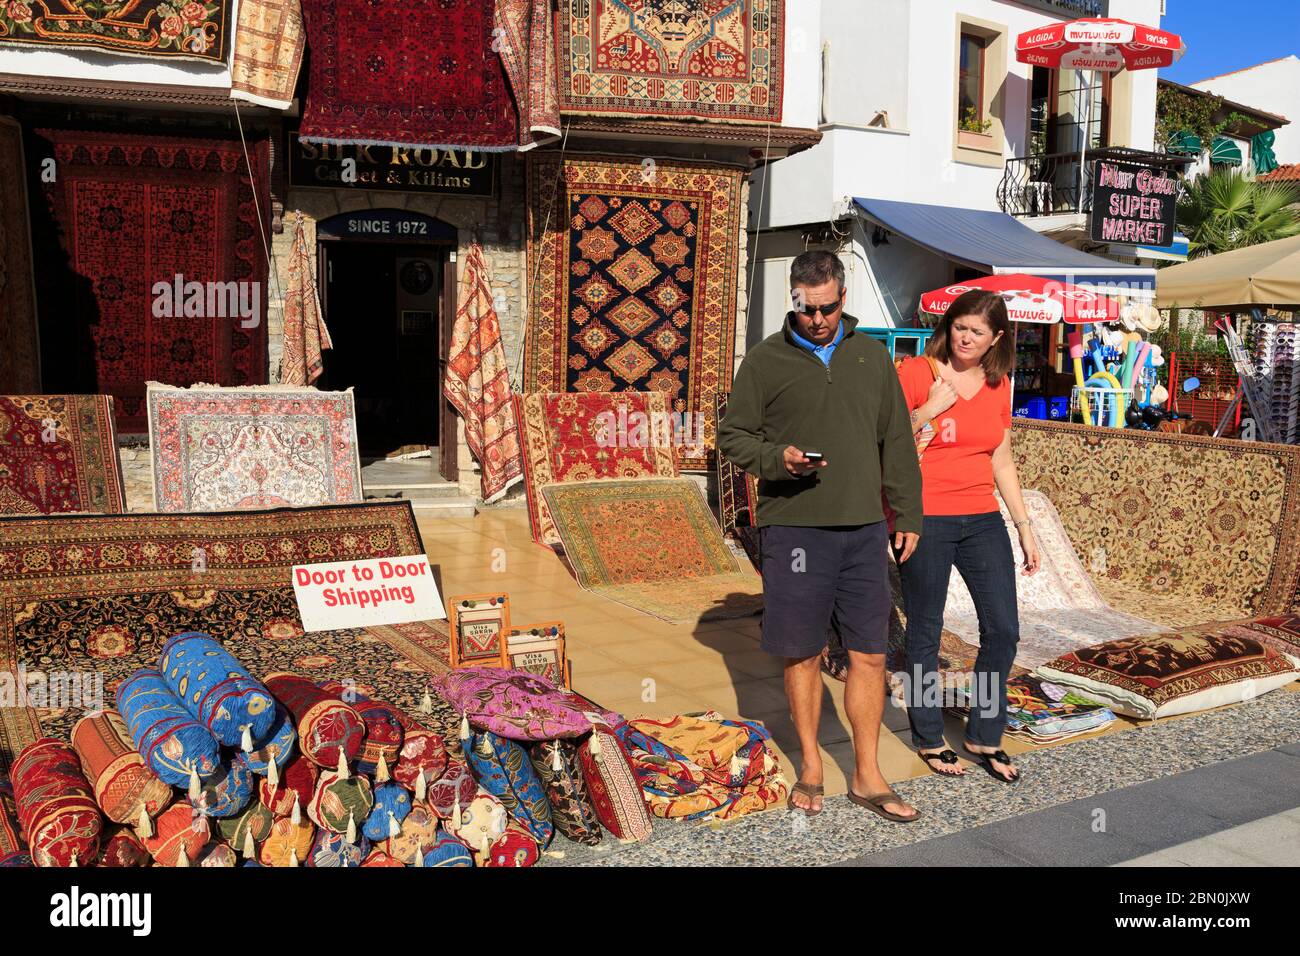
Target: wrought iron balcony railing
x: 1048, y: 184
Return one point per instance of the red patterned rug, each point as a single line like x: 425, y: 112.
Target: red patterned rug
x: 583, y: 437
x: 406, y: 73
x: 719, y: 60
x: 58, y: 453
x: 132, y: 213
x: 84, y: 601
x: 633, y: 271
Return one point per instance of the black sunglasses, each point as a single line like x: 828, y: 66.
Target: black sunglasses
x: 825, y: 310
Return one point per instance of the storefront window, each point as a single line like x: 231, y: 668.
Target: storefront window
x: 970, y: 91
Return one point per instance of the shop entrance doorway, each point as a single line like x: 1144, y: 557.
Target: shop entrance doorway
x: 387, y: 280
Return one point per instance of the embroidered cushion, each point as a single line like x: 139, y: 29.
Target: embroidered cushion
x: 448, y: 851
x: 422, y: 750
x: 178, y: 829
x: 1173, y: 672
x: 56, y: 808
x: 504, y: 770
x: 287, y: 840
x: 482, y: 821
x: 297, y: 780
x: 380, y: 858
x: 392, y: 804
x: 456, y: 785
x: 121, y: 781
x: 515, y: 847
x: 1281, y: 632
x: 385, y: 726
x: 615, y: 793
x: 325, y: 723
x: 216, y: 689
x: 228, y: 791
x: 338, y: 800
x: 277, y: 745
x: 247, y: 829
x: 333, y: 849
x: 419, y: 832
x: 560, y: 771
x: 164, y: 732
x: 512, y: 703
x: 121, y: 848
x: 218, y: 855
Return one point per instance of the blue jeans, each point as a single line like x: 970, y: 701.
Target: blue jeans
x: 978, y: 546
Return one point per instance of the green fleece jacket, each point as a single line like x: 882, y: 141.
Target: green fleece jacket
x: 852, y: 411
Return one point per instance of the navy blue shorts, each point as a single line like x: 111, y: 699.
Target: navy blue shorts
x: 815, y: 576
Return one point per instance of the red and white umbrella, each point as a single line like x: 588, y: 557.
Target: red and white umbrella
x: 1102, y: 44
x: 1031, y: 299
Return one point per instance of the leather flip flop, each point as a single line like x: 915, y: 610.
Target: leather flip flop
x: 946, y: 757
x: 876, y: 804
x: 986, y: 761
x: 809, y: 790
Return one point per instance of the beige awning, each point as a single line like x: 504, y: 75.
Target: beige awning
x: 1266, y: 274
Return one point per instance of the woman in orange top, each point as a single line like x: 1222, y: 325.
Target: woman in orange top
x: 969, y: 407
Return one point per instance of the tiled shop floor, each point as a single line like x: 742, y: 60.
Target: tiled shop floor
x: 638, y: 665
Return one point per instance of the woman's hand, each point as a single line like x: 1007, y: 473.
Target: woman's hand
x: 1030, y: 548
x: 943, y: 395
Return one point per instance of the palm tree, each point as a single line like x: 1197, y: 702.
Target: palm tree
x: 1223, y: 211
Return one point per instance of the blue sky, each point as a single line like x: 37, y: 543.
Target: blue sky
x: 1222, y: 37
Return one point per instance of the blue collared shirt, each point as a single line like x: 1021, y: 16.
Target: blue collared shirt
x: 823, y: 352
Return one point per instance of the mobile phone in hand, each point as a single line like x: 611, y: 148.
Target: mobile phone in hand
x: 814, y: 455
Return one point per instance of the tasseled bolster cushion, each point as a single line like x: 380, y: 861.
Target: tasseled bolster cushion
x: 165, y: 733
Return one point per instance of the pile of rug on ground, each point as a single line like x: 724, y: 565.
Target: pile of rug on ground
x: 203, y: 764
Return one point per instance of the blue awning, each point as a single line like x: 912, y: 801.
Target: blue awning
x: 998, y: 244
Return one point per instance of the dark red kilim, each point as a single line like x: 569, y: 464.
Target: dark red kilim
x: 133, y: 211
x: 406, y: 73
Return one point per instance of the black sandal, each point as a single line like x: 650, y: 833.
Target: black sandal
x: 945, y: 757
x: 986, y: 761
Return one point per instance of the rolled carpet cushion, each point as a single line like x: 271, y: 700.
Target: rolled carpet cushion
x: 504, y: 770
x: 333, y: 849
x: 456, y: 784
x: 482, y: 822
x: 1173, y: 672
x: 216, y: 688
x: 56, y: 807
x: 422, y: 750
x: 380, y: 858
x: 287, y: 840
x: 448, y: 851
x: 512, y: 703
x: 615, y: 793
x: 392, y: 804
x: 121, y: 781
x: 338, y: 800
x: 419, y: 832
x: 385, y: 727
x: 558, y: 768
x: 179, y: 828
x: 228, y: 791
x: 218, y: 855
x: 277, y: 745
x: 324, y: 722
x: 120, y: 847
x: 164, y: 732
x: 298, y: 779
x: 515, y: 847
x: 255, y: 820
x: 17, y: 860
x: 691, y: 767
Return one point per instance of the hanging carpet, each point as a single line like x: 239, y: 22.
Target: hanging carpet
x: 179, y: 30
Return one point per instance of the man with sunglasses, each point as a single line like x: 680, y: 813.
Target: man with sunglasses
x: 817, y: 413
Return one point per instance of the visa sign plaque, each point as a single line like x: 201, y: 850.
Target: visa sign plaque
x: 448, y: 172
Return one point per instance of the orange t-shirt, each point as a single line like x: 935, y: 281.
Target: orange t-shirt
x: 957, y: 466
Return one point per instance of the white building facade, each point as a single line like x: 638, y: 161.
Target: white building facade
x: 923, y: 101
x: 1272, y: 86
